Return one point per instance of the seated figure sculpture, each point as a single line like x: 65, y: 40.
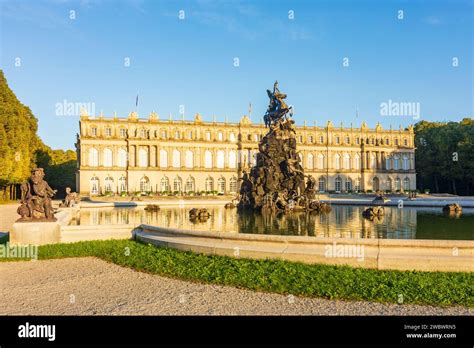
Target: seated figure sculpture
x: 36, y: 203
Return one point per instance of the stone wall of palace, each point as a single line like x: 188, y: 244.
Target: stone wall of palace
x: 132, y: 154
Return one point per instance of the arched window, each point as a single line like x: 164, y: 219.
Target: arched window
x: 373, y: 161
x: 189, y: 160
x: 93, y: 157
x: 310, y: 161
x: 389, y: 184
x: 388, y: 162
x: 221, y: 185
x: 163, y: 159
x: 94, y: 185
x: 337, y: 161
x: 357, y: 185
x: 405, y: 162
x: 396, y: 162
x: 398, y: 185
x: 109, y: 184
x: 143, y: 157
x: 232, y: 137
x: 338, y: 184
x: 348, y: 184
x: 107, y: 158
x: 144, y: 184
x: 122, y: 158
x: 220, y: 158
x: 233, y: 184
x: 347, y: 161
x: 375, y: 184
x: 122, y: 184
x: 406, y: 184
x: 208, y: 159
x: 176, y: 159
x: 209, y: 184
x: 322, y: 184
x: 190, y: 184
x: 357, y: 161
x: 178, y: 184
x: 220, y: 136
x: 232, y: 159
x: 321, y: 161
x: 165, y: 184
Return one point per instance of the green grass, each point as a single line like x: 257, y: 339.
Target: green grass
x: 284, y: 277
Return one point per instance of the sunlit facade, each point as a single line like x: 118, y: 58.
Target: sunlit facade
x: 150, y: 155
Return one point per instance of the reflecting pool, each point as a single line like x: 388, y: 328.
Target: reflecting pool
x: 342, y: 222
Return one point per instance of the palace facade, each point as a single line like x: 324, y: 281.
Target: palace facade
x: 133, y: 155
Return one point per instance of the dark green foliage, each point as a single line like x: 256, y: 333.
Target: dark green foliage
x: 445, y: 156
x: 284, y: 277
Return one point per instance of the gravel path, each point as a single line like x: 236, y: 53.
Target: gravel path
x: 8, y: 215
x: 88, y: 286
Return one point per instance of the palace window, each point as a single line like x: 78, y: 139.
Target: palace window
x: 358, y: 141
x: 337, y: 161
x: 220, y: 137
x: 300, y: 155
x: 208, y: 135
x: 232, y: 159
x: 338, y: 140
x: 123, y: 132
x: 406, y: 184
x: 396, y: 142
x: 123, y: 184
x: 310, y: 139
x: 300, y: 139
x: 388, y: 163
x: 389, y: 184
x: 122, y: 158
x: 176, y: 159
x: 144, y: 184
x: 321, y: 139
x: 253, y: 157
x: 320, y: 161
x: 347, y: 161
x: 164, y: 134
x: 232, y: 137
x: 221, y: 185
x: 189, y: 159
x: 108, y: 132
x: 348, y: 140
x: 220, y: 158
x: 143, y: 133
x: 94, y: 185
x: 233, y: 184
x: 163, y: 158
x: 107, y: 158
x: 397, y: 184
x: 176, y: 135
x: 249, y: 137
x: 165, y: 184
x: 109, y: 184
x: 208, y: 159
x: 190, y: 135
x: 94, y: 131
x: 322, y: 184
x: 357, y: 161
x: 190, y: 183
x: 310, y: 161
x: 375, y: 184
x: 357, y: 185
x: 348, y: 185
x: 373, y: 161
x: 338, y: 184
x: 177, y: 184
x: 387, y: 141
x: 372, y: 141
x: 405, y: 163
x: 396, y: 162
x: 405, y: 142
x: 143, y: 158
x: 93, y: 157
x: 209, y: 184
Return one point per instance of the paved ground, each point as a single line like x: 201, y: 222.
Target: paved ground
x: 88, y: 286
x: 8, y: 215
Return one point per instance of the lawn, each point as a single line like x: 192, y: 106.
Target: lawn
x: 283, y: 277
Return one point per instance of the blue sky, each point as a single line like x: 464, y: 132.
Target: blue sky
x: 190, y: 62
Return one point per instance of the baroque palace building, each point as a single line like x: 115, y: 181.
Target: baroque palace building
x: 133, y: 155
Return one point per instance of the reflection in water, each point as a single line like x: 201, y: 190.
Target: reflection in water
x: 342, y: 222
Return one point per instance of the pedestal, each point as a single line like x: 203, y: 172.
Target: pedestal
x: 35, y: 233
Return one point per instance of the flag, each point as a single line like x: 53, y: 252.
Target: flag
x: 136, y: 101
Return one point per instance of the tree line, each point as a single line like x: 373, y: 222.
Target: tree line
x: 21, y: 149
x: 445, y: 156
